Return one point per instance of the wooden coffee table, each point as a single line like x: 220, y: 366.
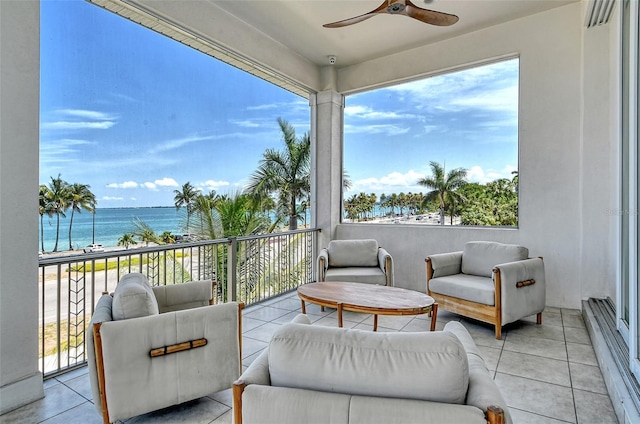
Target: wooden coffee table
x: 368, y: 298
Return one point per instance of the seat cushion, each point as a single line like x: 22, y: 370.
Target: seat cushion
x: 467, y: 287
x: 133, y: 298
x: 353, y: 253
x: 370, y: 274
x: 479, y: 257
x: 424, y: 366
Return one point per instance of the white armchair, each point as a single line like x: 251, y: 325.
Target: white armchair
x: 360, y: 261
x: 491, y: 282
x: 149, y: 348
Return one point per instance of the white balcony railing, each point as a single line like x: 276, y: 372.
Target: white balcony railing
x: 247, y: 269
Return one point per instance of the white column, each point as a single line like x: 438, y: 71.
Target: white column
x: 327, y: 166
x: 20, y: 380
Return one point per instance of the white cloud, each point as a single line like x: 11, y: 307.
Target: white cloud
x: 393, y: 182
x: 179, y: 142
x: 89, y: 114
x: 387, y: 129
x: 476, y: 174
x: 366, y: 112
x: 126, y: 184
x: 245, y: 123
x: 87, y: 119
x: 69, y: 125
x: 150, y: 186
x: 503, y: 99
x: 268, y: 106
x: 166, y: 182
x: 112, y: 198
x: 214, y: 185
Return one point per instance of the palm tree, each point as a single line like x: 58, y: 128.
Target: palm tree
x: 78, y: 197
x: 57, y: 193
x: 144, y: 232
x: 444, y: 186
x: 126, y: 240
x: 167, y: 237
x: 285, y: 173
x: 46, y: 208
x: 185, y: 197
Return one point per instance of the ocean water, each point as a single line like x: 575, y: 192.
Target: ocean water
x: 110, y: 225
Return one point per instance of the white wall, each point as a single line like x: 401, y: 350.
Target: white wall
x: 561, y: 219
x: 20, y: 381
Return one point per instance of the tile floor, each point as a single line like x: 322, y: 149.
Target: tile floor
x: 547, y: 374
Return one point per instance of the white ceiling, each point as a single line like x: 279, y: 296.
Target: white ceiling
x: 297, y: 24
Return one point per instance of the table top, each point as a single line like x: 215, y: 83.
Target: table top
x: 366, y: 297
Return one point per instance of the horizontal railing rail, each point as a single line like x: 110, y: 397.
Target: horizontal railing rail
x: 247, y: 269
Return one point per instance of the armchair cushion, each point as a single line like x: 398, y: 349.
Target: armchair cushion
x: 353, y: 253
x: 133, y: 298
x: 372, y: 275
x: 519, y: 302
x: 131, y: 373
x: 424, y: 366
x: 183, y: 296
x: 467, y: 287
x: 479, y: 257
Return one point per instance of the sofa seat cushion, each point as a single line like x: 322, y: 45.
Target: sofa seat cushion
x: 133, y: 298
x: 353, y: 253
x: 467, y: 287
x: 424, y: 366
x: 374, y: 410
x: 479, y: 257
x: 277, y: 405
x: 370, y: 274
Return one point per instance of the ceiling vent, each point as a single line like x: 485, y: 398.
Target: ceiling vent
x: 599, y: 12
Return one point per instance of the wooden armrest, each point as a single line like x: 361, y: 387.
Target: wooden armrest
x: 178, y: 347
x: 495, y: 415
x: 238, y: 387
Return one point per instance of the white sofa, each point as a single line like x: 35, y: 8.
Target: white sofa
x: 493, y: 282
x: 153, y: 347
x: 359, y: 261
x: 315, y: 374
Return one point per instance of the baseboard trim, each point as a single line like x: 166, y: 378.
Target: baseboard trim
x: 22, y: 392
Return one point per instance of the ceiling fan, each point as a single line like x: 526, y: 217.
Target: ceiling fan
x: 401, y: 7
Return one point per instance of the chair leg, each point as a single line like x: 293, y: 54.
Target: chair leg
x: 539, y: 318
x: 498, y: 332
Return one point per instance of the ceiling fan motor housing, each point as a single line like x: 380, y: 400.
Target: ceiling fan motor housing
x: 396, y: 8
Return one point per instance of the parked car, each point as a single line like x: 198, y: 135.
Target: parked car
x: 91, y: 248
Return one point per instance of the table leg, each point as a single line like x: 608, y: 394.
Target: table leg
x: 434, y: 315
x: 375, y: 322
x: 304, y: 308
x: 340, y: 315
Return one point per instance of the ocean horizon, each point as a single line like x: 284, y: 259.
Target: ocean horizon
x: 110, y: 225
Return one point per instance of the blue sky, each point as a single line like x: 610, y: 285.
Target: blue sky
x: 467, y: 119
x: 135, y: 115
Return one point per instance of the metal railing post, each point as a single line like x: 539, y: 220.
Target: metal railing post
x: 232, y: 263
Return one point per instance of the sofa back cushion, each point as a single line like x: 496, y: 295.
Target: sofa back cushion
x: 425, y: 366
x: 133, y: 298
x: 344, y: 253
x: 479, y: 257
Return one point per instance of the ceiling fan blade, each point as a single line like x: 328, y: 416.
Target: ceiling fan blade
x: 380, y: 9
x: 429, y: 16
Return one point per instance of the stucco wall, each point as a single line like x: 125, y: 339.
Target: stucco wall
x: 556, y: 207
x: 20, y: 381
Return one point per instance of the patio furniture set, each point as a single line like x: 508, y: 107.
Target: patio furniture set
x: 174, y: 338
